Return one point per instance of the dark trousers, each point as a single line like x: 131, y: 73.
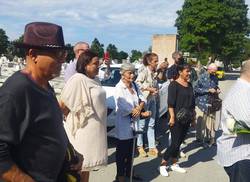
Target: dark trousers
x: 124, y: 149
x: 178, y: 134
x: 239, y: 172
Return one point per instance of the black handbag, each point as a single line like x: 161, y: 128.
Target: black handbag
x: 66, y: 174
x: 214, y: 102
x: 184, y: 116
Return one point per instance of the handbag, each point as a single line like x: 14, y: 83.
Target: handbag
x: 66, y: 174
x: 184, y: 116
x: 214, y: 102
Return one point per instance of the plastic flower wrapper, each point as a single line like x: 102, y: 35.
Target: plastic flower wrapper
x: 236, y: 127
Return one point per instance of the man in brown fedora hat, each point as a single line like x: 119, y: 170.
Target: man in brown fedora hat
x: 32, y: 138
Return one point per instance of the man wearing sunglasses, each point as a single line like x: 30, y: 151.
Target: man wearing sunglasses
x: 32, y: 138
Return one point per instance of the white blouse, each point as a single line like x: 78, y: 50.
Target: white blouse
x: 125, y: 102
x: 86, y: 122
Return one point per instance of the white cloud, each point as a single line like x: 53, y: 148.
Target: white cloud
x: 156, y: 13
x: 116, y: 20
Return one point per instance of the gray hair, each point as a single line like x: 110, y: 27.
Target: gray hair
x: 175, y: 54
x: 127, y: 67
x: 79, y: 43
x: 245, y: 69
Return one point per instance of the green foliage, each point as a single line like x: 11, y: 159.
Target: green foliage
x: 213, y: 27
x: 71, y: 54
x: 113, y: 51
x: 135, y: 55
x: 3, y: 42
x: 122, y: 55
x: 97, y: 47
x: 13, y: 51
x: 246, y: 50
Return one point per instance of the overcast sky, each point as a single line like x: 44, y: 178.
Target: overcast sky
x: 129, y: 24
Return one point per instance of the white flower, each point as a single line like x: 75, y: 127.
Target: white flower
x: 230, y: 122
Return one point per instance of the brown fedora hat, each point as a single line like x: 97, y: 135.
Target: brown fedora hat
x: 42, y: 35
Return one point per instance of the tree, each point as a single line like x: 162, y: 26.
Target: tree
x: 246, y: 50
x: 71, y: 54
x: 97, y: 47
x: 14, y: 51
x: 3, y: 42
x: 213, y: 27
x: 122, y: 55
x: 113, y: 51
x: 135, y: 55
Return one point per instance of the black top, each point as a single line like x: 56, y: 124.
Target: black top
x: 180, y: 96
x: 31, y: 129
x: 172, y: 72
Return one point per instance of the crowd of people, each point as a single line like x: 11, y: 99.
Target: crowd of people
x: 48, y: 139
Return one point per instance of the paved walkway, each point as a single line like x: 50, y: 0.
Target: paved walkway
x: 200, y: 163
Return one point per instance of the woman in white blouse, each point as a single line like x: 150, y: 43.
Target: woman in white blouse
x: 83, y: 102
x: 129, y: 104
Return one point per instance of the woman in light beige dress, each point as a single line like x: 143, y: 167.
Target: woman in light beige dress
x: 83, y: 102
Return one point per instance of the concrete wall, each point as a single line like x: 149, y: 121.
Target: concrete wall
x: 164, y: 46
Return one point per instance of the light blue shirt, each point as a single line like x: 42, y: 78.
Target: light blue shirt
x: 233, y: 148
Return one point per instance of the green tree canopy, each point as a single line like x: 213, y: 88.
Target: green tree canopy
x: 3, y: 42
x: 113, y: 51
x: 135, y: 55
x: 19, y: 52
x: 71, y: 54
x: 213, y: 27
x: 122, y: 55
x: 97, y: 47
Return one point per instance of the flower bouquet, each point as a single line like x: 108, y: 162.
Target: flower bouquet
x: 236, y: 127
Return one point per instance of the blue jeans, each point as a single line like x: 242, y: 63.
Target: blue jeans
x: 148, y: 125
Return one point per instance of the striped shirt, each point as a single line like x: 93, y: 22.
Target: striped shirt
x: 233, y: 148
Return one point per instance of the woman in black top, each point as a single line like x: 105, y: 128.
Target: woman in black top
x: 180, y: 97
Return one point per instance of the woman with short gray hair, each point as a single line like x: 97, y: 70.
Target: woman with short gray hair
x: 129, y: 104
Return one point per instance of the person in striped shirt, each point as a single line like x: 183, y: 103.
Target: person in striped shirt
x: 233, y: 150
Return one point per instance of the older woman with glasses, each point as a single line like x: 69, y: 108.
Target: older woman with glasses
x: 129, y: 104
x: 83, y: 102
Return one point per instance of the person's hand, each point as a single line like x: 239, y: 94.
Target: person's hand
x: 146, y: 114
x: 77, y: 167
x: 136, y: 112
x: 107, y: 62
x: 193, y: 124
x: 163, y: 66
x: 64, y: 109
x: 212, y: 90
x: 171, y: 121
x: 23, y: 177
x: 153, y: 90
x: 14, y: 174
